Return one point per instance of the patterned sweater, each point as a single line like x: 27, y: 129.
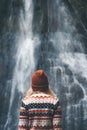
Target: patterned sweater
x: 40, y: 112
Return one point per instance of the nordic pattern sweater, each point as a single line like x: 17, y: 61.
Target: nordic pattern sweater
x: 40, y: 112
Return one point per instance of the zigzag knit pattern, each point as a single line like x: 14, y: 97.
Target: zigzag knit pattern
x: 40, y: 112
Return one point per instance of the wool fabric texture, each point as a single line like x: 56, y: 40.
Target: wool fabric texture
x: 39, y: 81
x: 40, y: 112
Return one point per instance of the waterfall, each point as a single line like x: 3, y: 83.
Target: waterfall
x: 25, y: 59
x: 68, y: 66
x: 58, y: 48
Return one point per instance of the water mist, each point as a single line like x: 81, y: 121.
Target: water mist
x: 68, y: 67
x: 25, y: 59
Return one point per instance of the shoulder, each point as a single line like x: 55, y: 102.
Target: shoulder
x: 56, y: 100
x: 57, y: 104
x: 25, y: 100
x: 53, y: 99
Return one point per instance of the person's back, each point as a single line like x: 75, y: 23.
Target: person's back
x: 40, y: 111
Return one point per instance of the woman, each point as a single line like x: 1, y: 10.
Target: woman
x: 40, y: 109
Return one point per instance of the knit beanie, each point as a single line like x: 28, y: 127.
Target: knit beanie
x: 39, y: 81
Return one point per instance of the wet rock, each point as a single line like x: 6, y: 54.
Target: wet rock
x: 76, y: 93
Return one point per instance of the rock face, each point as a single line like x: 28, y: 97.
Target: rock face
x: 9, y: 32
x: 51, y: 20
x: 79, y: 7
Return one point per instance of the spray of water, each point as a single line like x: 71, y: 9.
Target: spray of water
x: 71, y: 59
x: 25, y: 60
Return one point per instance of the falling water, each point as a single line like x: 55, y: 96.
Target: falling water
x: 64, y: 58
x: 25, y: 59
x: 68, y: 67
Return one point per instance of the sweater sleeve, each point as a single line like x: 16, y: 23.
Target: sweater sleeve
x: 57, y: 117
x: 23, y: 118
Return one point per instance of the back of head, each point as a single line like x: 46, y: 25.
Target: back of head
x: 39, y: 81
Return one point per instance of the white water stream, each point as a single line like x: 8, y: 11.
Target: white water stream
x: 25, y: 59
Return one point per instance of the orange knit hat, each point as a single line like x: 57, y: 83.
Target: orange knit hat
x: 39, y: 81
